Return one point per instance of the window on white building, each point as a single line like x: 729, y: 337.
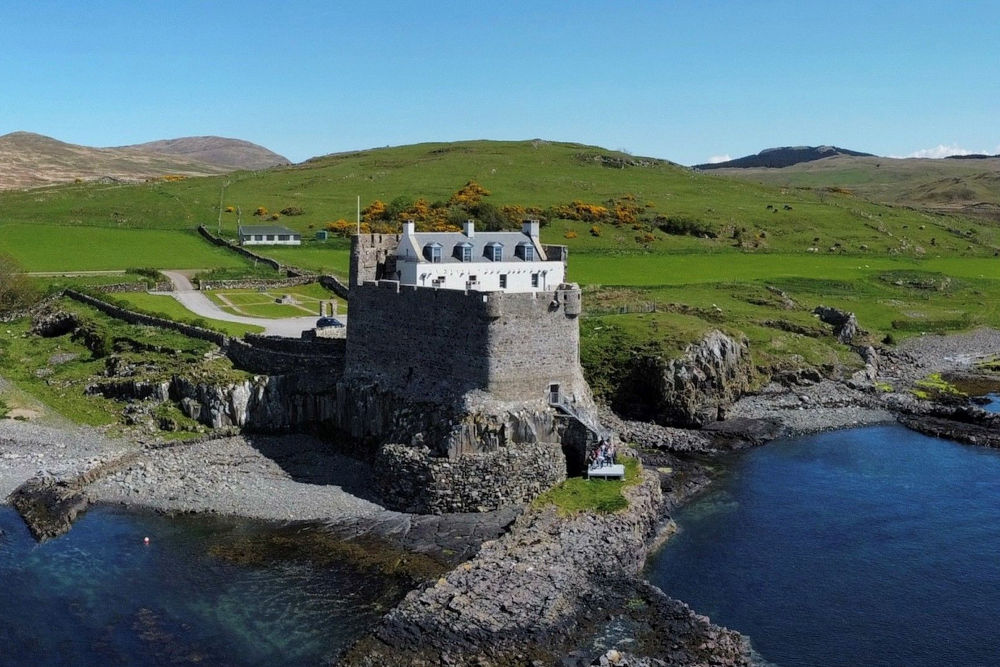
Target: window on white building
x: 503, y: 281
x: 525, y: 251
x: 432, y: 252
x: 494, y: 251
x: 534, y: 280
x: 463, y: 252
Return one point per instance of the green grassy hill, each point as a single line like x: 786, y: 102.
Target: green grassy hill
x: 535, y: 173
x: 904, y: 271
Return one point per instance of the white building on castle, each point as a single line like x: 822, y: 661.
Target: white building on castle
x: 482, y: 261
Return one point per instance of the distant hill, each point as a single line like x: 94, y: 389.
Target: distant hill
x: 971, y: 156
x: 218, y: 151
x: 29, y: 160
x: 969, y: 186
x: 786, y: 156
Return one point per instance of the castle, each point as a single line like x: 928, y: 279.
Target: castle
x: 463, y: 356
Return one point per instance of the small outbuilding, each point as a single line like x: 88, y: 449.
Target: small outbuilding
x: 268, y: 235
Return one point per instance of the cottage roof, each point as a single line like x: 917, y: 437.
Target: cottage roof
x: 448, y: 241
x: 265, y: 229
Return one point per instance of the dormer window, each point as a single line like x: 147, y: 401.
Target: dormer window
x: 463, y: 252
x: 432, y: 252
x: 525, y: 251
x: 494, y: 251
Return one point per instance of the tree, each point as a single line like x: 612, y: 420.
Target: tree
x: 489, y: 216
x: 397, y: 207
x: 16, y: 290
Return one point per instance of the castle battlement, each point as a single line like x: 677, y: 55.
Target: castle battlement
x: 440, y: 344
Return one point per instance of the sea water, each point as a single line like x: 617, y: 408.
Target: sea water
x: 870, y: 546
x: 99, y: 595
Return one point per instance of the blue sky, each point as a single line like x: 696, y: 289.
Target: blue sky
x: 686, y: 81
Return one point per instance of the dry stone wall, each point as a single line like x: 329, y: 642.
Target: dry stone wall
x: 133, y: 317
x: 238, y: 249
x: 258, y: 354
x: 118, y: 288
x: 255, y: 283
x: 411, y: 479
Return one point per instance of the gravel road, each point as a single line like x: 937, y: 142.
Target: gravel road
x: 198, y: 303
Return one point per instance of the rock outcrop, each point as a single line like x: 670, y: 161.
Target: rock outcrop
x: 531, y: 595
x: 53, y: 323
x: 49, y: 505
x: 845, y: 324
x: 696, y: 388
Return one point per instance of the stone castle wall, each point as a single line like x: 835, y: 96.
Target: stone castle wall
x: 442, y: 344
x: 373, y: 257
x: 411, y: 479
x: 534, y: 341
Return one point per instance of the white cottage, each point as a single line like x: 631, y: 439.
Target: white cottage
x: 483, y: 261
x: 268, y: 235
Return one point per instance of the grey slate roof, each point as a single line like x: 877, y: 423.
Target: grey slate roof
x: 448, y: 241
x: 251, y: 230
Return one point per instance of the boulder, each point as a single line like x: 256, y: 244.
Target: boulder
x: 712, y: 374
x: 845, y: 324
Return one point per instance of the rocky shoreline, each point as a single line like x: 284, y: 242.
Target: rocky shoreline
x: 525, y: 586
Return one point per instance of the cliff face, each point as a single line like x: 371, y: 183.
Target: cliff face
x: 696, y: 388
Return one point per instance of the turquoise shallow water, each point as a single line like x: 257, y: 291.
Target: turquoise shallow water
x: 99, y: 596
x: 873, y: 546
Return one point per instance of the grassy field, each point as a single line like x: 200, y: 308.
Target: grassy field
x: 166, y: 306
x: 651, y: 269
x: 332, y: 256
x: 262, y: 303
x: 21, y: 357
x: 77, y: 248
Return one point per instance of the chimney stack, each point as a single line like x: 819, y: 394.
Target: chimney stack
x: 530, y: 228
x: 469, y: 227
x: 408, y: 227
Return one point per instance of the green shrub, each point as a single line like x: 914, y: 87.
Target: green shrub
x: 684, y: 226
x: 16, y: 290
x: 4, y: 409
x: 146, y: 272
